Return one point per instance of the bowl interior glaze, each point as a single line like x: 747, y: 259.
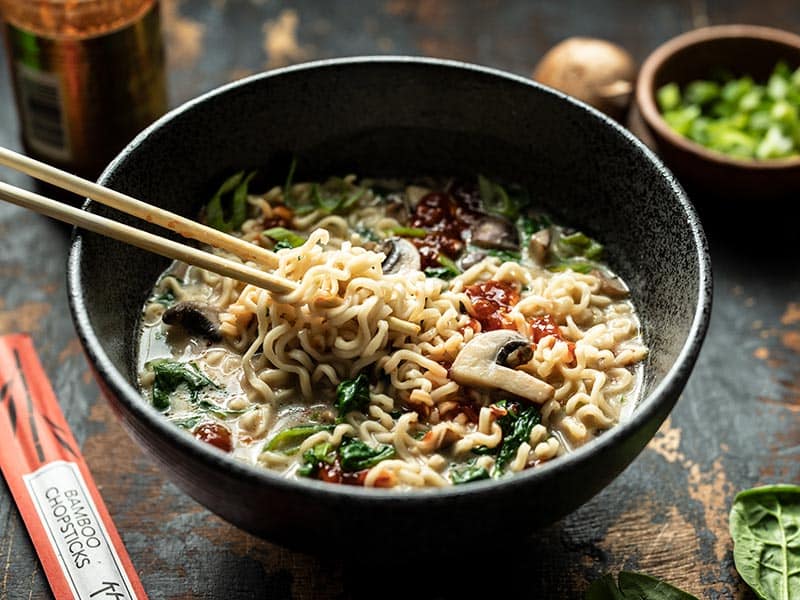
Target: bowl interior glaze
x: 401, y: 116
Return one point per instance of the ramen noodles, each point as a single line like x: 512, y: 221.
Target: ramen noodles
x: 440, y: 332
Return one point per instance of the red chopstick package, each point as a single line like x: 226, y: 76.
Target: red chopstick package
x: 77, y: 543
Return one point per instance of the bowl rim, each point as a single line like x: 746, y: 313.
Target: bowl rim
x: 665, y: 394
x: 645, y: 92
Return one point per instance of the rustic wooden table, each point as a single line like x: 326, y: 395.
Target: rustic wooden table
x: 737, y: 424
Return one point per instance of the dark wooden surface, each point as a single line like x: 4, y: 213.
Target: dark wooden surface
x: 737, y: 424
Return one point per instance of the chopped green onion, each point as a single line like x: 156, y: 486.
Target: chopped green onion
x: 283, y: 236
x: 290, y: 439
x: 287, y: 186
x: 577, y: 265
x: 668, y: 97
x: 415, y: 232
x: 737, y: 116
x: 215, y: 213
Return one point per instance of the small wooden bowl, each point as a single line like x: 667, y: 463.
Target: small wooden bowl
x: 743, y: 50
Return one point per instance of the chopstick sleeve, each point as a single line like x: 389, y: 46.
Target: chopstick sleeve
x: 79, y: 548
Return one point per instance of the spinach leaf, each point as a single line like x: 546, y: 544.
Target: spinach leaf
x: 447, y: 270
x: 367, y: 234
x: 188, y: 422
x: 467, y: 472
x: 169, y: 375
x: 529, y: 225
x: 504, y: 255
x: 290, y: 439
x: 218, y: 411
x: 634, y: 586
x: 284, y: 236
x: 234, y: 213
x: 166, y: 299
x: 517, y: 427
x: 322, y: 453
x: 352, y: 395
x: 765, y: 527
x: 440, y: 272
x: 355, y: 455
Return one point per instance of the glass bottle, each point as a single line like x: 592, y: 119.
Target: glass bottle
x: 87, y: 76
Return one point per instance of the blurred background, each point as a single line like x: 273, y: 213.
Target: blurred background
x: 668, y: 515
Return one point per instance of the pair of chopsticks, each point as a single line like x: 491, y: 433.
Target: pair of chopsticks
x: 147, y: 212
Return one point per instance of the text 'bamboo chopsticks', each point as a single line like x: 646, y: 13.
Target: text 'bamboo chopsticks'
x: 152, y: 214
x: 145, y: 240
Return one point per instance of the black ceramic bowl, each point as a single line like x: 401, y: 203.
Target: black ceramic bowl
x: 402, y: 116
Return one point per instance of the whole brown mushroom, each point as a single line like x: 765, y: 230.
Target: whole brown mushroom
x: 596, y: 71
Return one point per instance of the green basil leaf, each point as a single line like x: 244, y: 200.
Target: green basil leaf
x: 604, y: 588
x: 634, y: 586
x: 639, y: 585
x: 352, y: 395
x: 355, y: 455
x: 765, y: 527
x: 291, y: 438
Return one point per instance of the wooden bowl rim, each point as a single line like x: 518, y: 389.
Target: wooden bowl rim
x: 645, y: 94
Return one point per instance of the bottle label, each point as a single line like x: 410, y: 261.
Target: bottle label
x: 42, y: 113
x: 77, y: 533
x: 81, y: 99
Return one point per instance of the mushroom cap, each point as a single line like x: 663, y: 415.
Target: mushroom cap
x: 196, y: 318
x: 596, y: 71
x: 478, y: 364
x: 401, y: 255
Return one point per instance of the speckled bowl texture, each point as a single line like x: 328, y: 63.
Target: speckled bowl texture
x: 401, y: 116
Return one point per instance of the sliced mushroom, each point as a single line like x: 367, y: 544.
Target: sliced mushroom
x: 487, y: 360
x: 442, y: 435
x: 401, y: 255
x: 539, y: 245
x: 195, y: 318
x: 495, y: 232
x: 471, y: 259
x: 396, y: 208
x: 414, y: 193
x: 612, y: 286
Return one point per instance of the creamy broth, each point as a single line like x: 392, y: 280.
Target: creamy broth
x: 441, y: 332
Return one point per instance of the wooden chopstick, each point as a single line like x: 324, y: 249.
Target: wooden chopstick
x: 145, y: 240
x: 147, y: 212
